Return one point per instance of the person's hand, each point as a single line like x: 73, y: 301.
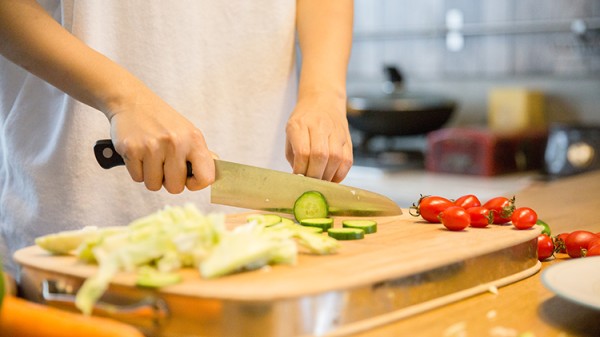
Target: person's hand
x: 318, y: 141
x: 155, y: 142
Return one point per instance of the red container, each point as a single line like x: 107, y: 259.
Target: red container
x: 478, y: 151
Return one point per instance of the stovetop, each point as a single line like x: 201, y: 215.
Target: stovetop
x: 389, y: 153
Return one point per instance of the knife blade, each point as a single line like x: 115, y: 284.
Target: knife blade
x: 263, y: 189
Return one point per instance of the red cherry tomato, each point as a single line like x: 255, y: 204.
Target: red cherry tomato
x: 545, y: 247
x: 480, y: 216
x: 578, y: 241
x: 559, y: 243
x: 524, y: 218
x: 594, y: 242
x: 502, y: 208
x: 467, y: 201
x: 455, y: 218
x: 594, y: 251
x: 430, y: 207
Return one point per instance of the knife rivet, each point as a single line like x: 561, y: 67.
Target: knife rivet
x: 107, y: 153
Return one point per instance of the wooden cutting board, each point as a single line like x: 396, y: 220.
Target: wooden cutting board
x: 403, y: 246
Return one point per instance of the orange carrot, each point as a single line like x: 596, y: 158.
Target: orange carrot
x: 21, y: 318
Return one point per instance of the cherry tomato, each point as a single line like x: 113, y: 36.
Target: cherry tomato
x: 594, y: 242
x: 430, y: 207
x: 467, y: 201
x: 523, y: 218
x: 502, y: 208
x: 578, y: 241
x: 594, y: 251
x: 559, y: 243
x: 481, y: 217
x: 545, y: 247
x: 455, y: 218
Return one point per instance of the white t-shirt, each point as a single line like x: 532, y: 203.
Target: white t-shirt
x: 228, y: 66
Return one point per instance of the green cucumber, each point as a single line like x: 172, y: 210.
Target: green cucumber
x: 287, y: 221
x: 368, y: 226
x: 310, y: 205
x: 324, y: 223
x: 264, y: 219
x: 317, y: 230
x: 346, y: 233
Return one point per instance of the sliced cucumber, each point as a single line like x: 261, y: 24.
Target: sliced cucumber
x: 346, y: 233
x: 310, y: 205
x: 314, y: 229
x: 265, y: 219
x: 368, y: 226
x: 287, y: 221
x: 355, y: 212
x: 324, y: 223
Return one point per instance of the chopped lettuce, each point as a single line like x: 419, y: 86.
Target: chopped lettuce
x: 67, y: 241
x: 158, y: 245
x: 249, y: 246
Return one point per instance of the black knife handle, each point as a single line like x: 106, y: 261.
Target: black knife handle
x: 107, y: 156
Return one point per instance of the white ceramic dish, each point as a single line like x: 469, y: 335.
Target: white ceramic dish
x: 576, y: 280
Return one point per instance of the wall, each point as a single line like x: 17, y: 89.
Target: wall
x: 524, y: 43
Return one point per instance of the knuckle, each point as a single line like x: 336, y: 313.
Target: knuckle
x: 319, y: 155
x: 302, y: 154
x: 151, y: 145
x: 347, y: 162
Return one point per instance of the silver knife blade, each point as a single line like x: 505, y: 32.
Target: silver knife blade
x: 262, y: 189
x: 257, y: 188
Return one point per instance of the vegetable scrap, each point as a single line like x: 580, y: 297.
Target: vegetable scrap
x: 156, y: 246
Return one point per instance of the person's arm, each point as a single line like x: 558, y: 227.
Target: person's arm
x: 318, y: 139
x: 154, y: 139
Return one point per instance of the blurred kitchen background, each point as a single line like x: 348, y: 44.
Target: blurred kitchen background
x: 524, y: 76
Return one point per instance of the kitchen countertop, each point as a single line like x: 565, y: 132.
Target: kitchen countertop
x: 526, y: 306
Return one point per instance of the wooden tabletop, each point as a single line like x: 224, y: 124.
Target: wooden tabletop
x: 526, y: 306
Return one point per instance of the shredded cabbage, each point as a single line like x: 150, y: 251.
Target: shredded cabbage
x: 159, y: 244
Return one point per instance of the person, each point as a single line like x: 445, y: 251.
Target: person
x: 174, y: 82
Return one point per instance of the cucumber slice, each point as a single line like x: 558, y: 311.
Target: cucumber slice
x: 317, y: 230
x: 324, y: 223
x: 346, y: 233
x: 368, y: 226
x: 287, y: 221
x: 310, y: 205
x: 265, y: 219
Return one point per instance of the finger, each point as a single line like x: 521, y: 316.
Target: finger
x: 345, y: 165
x: 132, y: 159
x: 203, y: 169
x: 298, y: 150
x: 134, y: 167
x: 336, y: 155
x: 153, y: 166
x: 319, y: 155
x: 175, y: 173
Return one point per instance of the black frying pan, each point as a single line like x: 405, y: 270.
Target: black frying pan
x: 398, y: 113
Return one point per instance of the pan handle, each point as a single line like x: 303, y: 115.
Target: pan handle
x: 148, y: 308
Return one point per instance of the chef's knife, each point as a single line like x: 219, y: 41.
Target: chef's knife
x: 274, y: 191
